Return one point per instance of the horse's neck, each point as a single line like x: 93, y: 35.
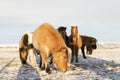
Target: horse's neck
x: 74, y: 37
x: 64, y: 37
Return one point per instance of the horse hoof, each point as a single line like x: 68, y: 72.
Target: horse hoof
x: 72, y: 61
x: 23, y: 62
x: 42, y: 68
x: 49, y: 72
x: 64, y: 71
x: 76, y: 61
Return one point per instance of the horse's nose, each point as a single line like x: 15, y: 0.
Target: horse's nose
x: 64, y: 70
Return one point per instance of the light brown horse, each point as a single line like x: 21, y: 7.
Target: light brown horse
x: 49, y: 42
x: 75, y: 42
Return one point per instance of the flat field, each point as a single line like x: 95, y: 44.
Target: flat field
x: 103, y: 64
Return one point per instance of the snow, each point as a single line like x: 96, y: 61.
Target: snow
x: 103, y: 64
x: 9, y: 45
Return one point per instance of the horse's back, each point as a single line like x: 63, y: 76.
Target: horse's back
x: 88, y: 39
x: 46, y: 35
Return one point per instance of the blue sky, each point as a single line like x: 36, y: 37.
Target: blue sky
x: 97, y: 18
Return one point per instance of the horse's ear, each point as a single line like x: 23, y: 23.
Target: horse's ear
x: 65, y: 28
x: 94, y: 40
x: 71, y: 26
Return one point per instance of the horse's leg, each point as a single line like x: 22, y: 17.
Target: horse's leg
x: 45, y: 60
x: 76, y: 54
x: 40, y: 58
x: 40, y: 65
x: 89, y: 50
x: 51, y: 59
x: 32, y: 57
x: 83, y: 52
x: 33, y: 61
x: 73, y: 52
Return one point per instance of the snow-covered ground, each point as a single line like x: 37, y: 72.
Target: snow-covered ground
x: 103, y: 64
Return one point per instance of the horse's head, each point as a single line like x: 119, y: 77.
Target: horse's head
x: 62, y: 31
x: 62, y: 28
x: 74, y: 30
x: 91, y: 46
x: 93, y: 42
x: 23, y: 55
x: 61, y: 60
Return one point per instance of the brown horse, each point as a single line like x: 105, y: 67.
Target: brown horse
x: 27, y: 51
x: 90, y: 44
x: 49, y: 42
x: 62, y: 31
x: 75, y: 42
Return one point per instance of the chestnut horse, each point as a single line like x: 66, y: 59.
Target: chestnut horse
x: 90, y: 44
x: 49, y: 42
x: 62, y: 31
x: 75, y: 42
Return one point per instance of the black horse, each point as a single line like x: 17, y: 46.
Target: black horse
x: 62, y: 31
x: 90, y: 44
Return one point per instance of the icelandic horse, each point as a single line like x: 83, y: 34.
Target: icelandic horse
x: 90, y: 44
x: 75, y: 42
x: 62, y: 31
x: 27, y: 52
x: 49, y: 42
